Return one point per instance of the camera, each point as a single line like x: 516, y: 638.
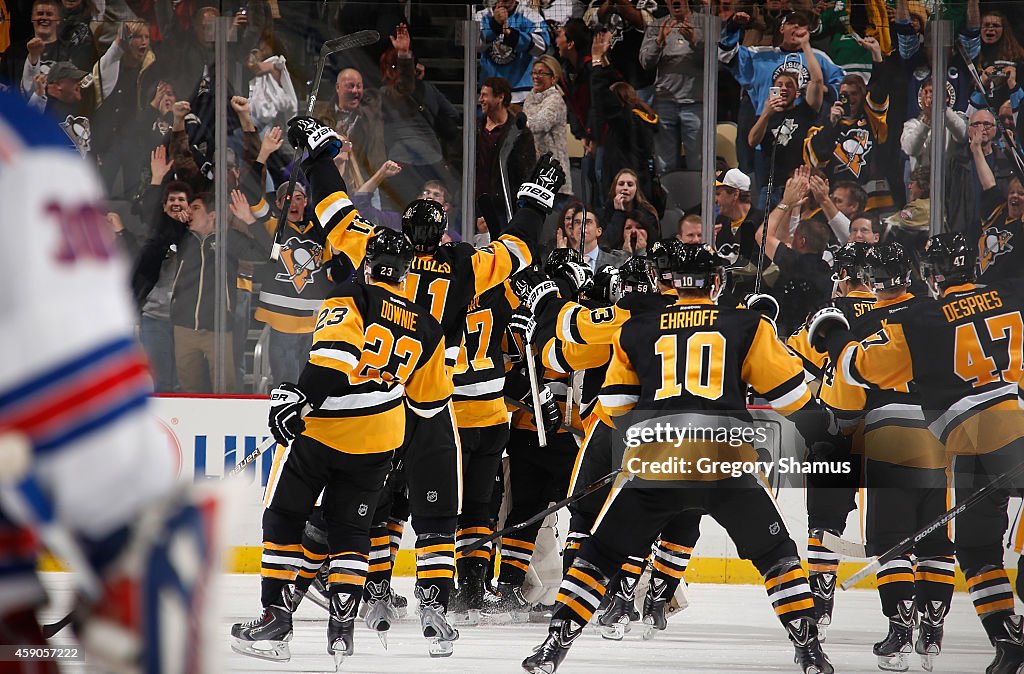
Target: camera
x: 774, y: 92
x: 844, y: 101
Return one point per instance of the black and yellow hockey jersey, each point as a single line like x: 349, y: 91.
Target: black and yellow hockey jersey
x: 694, y: 360
x: 888, y: 425
x: 964, y: 354
x: 372, y: 349
x: 853, y: 306
x: 479, y: 372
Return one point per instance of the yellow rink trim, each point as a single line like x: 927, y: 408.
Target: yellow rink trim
x: 700, y: 570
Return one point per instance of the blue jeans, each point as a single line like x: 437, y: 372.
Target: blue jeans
x: 680, y: 123
x: 288, y: 355
x: 157, y: 338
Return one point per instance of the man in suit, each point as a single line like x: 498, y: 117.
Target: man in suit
x: 595, y: 256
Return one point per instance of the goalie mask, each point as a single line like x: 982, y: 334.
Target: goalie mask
x: 388, y: 256
x: 424, y: 222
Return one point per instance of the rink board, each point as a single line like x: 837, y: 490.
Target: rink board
x: 210, y: 435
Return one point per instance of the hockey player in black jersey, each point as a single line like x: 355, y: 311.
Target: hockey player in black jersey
x: 963, y: 353
x: 712, y: 384
x: 905, y: 480
x: 445, y: 280
x: 830, y: 501
x: 374, y: 355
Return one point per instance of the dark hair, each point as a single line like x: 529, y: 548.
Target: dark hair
x: 857, y: 193
x: 208, y: 198
x: 855, y: 81
x: 176, y: 186
x: 815, y: 233
x: 923, y: 177
x: 577, y: 32
x: 877, y: 227
x: 1009, y: 48
x: 499, y: 86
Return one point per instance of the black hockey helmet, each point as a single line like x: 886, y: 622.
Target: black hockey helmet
x: 687, y: 266
x: 636, y: 275
x: 424, y: 222
x: 851, y: 259
x: 388, y: 256
x: 949, y: 260
x: 559, y: 256
x: 889, y: 266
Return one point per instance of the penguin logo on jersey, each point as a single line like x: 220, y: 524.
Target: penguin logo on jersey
x: 993, y: 243
x: 774, y: 528
x: 853, y: 148
x: 301, y: 260
x: 363, y: 509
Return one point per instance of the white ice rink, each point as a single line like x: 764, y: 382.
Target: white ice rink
x: 727, y: 628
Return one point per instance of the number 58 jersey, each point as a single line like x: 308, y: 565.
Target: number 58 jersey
x: 964, y: 353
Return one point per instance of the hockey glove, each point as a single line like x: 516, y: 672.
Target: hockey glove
x: 517, y: 385
x: 523, y: 323
x: 549, y: 410
x: 306, y: 133
x: 828, y: 330
x: 534, y: 289
x: 286, y: 402
x: 579, y: 277
x: 539, y: 190
x: 763, y: 304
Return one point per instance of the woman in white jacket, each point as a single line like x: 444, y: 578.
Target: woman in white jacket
x: 917, y: 132
x: 545, y: 114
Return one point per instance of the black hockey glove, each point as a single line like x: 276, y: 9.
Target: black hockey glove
x: 828, y: 331
x: 523, y: 323
x: 306, y: 133
x: 578, y: 277
x: 286, y: 402
x: 538, y: 192
x: 534, y: 289
x: 517, y: 385
x: 763, y: 304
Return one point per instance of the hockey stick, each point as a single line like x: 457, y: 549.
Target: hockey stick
x: 343, y: 43
x: 255, y: 454
x: 531, y: 371
x: 591, y: 488
x: 526, y: 408
x: 767, y: 212
x: 911, y: 540
x: 570, y: 395
x: 1003, y: 131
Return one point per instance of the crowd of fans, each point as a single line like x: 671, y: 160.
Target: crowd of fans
x: 831, y: 103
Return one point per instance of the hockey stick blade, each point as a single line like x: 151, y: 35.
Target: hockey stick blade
x: 842, y: 546
x: 360, y: 38
x: 554, y: 507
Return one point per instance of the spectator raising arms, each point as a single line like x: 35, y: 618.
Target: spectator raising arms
x: 512, y: 34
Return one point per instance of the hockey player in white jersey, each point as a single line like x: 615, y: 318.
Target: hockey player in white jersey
x: 82, y: 465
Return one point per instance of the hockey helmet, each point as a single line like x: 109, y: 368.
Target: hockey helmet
x: 948, y: 261
x: 388, y: 256
x: 889, y: 266
x: 851, y: 259
x: 560, y: 256
x: 687, y: 266
x: 424, y: 222
x: 636, y: 276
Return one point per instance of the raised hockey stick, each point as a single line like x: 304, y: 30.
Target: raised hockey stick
x: 591, y: 488
x: 526, y: 408
x: 911, y: 540
x: 343, y: 43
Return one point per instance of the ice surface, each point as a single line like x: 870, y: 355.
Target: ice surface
x: 727, y: 628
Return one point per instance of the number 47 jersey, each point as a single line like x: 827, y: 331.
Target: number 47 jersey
x: 964, y: 353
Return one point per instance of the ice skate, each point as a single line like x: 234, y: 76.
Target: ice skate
x: 507, y: 605
x: 894, y: 650
x: 541, y: 613
x: 318, y: 591
x: 435, y: 623
x: 823, y: 587
x: 380, y: 615
x: 468, y: 601
x: 654, y: 608
x: 809, y: 657
x: 614, y: 623
x: 341, y: 627
x: 549, y: 655
x: 929, y: 637
x: 1009, y: 648
x: 265, y: 637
